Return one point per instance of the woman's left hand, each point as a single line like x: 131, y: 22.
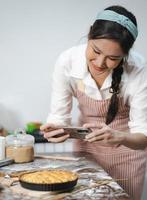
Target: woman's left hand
x: 103, y: 133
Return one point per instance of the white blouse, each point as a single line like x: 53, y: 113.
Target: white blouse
x: 71, y: 73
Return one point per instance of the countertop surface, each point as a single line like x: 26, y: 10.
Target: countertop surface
x: 93, y: 183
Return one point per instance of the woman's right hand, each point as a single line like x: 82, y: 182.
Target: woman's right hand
x: 51, y: 132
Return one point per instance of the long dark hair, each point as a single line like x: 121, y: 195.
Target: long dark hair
x: 104, y: 29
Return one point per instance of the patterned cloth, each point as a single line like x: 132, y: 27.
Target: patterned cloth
x: 120, y: 162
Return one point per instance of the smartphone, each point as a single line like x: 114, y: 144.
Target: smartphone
x: 76, y: 132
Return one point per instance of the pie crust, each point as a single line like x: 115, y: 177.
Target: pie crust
x: 49, y: 177
x: 49, y: 180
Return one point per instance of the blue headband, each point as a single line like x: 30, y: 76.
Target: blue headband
x: 120, y: 19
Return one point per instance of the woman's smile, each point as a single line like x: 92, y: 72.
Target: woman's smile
x: 98, y: 70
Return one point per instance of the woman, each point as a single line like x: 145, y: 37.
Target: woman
x: 109, y: 82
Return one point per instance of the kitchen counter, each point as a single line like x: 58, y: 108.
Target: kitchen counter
x: 94, y: 183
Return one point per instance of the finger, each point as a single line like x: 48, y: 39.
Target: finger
x: 104, y: 137
x: 53, y: 133
x: 95, y: 133
x: 93, y: 125
x: 59, y: 139
x: 95, y: 138
x: 46, y: 126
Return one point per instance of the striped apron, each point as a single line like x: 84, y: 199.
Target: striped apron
x: 120, y: 162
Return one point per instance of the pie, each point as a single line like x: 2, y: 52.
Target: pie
x: 49, y: 177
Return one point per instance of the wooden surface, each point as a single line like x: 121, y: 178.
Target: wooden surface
x: 93, y: 183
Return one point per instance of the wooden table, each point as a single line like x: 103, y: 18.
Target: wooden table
x: 94, y: 183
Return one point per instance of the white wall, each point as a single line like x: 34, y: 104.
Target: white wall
x: 32, y: 34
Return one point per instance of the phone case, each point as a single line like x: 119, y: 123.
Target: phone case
x: 77, y: 132
x: 74, y: 132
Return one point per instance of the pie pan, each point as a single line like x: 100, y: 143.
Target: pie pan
x: 56, y: 186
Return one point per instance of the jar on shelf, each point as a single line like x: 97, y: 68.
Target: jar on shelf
x: 20, y: 147
x: 3, y: 132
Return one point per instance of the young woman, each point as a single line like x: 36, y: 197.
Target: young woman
x: 109, y: 82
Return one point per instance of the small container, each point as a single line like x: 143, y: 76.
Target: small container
x: 3, y: 132
x: 20, y: 147
x: 2, y: 147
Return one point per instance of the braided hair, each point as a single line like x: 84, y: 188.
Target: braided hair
x: 104, y: 29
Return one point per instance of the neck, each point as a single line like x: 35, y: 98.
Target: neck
x: 100, y: 79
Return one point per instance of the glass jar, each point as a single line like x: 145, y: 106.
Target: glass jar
x: 20, y: 147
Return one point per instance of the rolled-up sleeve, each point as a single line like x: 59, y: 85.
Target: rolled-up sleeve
x: 61, y: 97
x: 138, y: 104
